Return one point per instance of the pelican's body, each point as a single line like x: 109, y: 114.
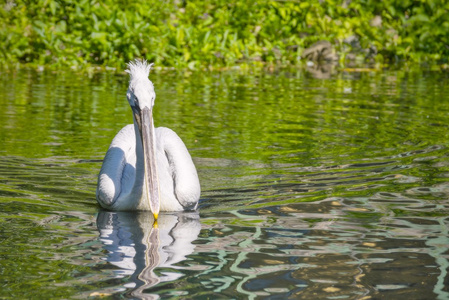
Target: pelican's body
x: 146, y: 168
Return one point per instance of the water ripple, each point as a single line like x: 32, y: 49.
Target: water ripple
x: 312, y: 188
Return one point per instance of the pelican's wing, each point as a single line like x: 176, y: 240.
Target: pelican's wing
x: 117, y: 169
x: 185, y: 178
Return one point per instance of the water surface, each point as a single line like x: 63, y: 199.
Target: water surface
x: 313, y: 188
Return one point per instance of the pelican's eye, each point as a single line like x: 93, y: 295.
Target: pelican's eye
x: 135, y: 101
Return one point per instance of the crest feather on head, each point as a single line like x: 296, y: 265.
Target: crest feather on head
x: 138, y: 69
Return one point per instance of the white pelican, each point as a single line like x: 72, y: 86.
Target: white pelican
x: 146, y: 168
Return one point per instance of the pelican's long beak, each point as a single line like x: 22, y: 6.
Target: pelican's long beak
x: 149, y: 152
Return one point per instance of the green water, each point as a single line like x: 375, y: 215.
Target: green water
x: 313, y: 188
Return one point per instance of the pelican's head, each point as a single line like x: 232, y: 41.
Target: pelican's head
x: 141, y: 90
x: 141, y: 97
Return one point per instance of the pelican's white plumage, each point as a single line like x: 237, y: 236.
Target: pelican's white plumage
x: 146, y: 168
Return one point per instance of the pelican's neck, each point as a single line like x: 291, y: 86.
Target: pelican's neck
x: 139, y: 182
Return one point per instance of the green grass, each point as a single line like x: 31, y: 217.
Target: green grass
x: 214, y: 34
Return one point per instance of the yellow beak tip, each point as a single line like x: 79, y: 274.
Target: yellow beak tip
x: 155, y: 216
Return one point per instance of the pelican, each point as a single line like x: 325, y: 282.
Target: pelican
x: 146, y: 168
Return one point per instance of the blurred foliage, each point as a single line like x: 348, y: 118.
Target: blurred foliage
x: 220, y: 33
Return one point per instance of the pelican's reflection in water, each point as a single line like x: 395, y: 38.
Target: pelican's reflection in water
x: 137, y: 247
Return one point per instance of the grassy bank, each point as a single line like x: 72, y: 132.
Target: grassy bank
x: 222, y: 33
